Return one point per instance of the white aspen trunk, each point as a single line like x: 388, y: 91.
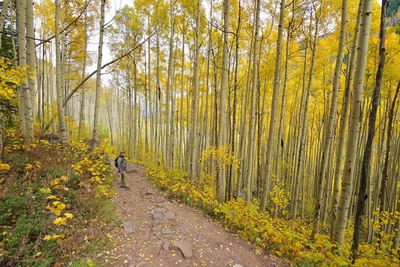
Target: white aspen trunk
x: 250, y: 149
x: 83, y: 75
x: 344, y: 120
x: 354, y: 125
x: 31, y: 54
x: 98, y: 75
x: 223, y: 114
x: 195, y: 101
x: 60, y: 109
x: 274, y: 107
x: 326, y: 142
x: 25, y: 105
x: 168, y: 159
x: 3, y: 14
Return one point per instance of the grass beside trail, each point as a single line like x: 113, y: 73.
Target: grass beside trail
x: 55, y: 204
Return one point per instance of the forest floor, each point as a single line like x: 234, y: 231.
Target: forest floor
x: 156, y: 231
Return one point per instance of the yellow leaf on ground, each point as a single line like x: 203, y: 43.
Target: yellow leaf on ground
x: 60, y: 221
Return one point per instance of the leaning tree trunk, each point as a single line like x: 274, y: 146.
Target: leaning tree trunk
x: 354, y: 125
x: 275, y: 96
x: 330, y: 127
x: 98, y: 75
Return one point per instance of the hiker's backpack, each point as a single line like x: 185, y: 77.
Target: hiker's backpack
x: 116, y: 162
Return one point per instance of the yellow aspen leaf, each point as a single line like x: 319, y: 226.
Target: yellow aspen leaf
x: 60, y: 221
x: 55, y: 181
x: 4, y: 167
x: 28, y: 166
x: 68, y: 215
x: 45, y: 191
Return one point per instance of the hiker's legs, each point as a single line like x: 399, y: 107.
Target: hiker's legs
x: 123, y: 174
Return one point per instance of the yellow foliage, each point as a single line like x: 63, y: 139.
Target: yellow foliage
x: 68, y: 215
x: 4, y: 167
x: 45, y: 191
x: 60, y: 221
x: 222, y: 155
x: 56, y: 208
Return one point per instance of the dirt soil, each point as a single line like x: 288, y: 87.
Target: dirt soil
x: 156, y: 231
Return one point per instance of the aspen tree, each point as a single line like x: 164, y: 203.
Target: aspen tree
x: 223, y: 114
x: 366, y: 162
x: 344, y: 119
x: 330, y: 124
x: 59, y: 76
x: 194, y: 140
x: 25, y: 103
x: 169, y: 122
x: 354, y: 125
x: 274, y: 107
x: 252, y: 125
x: 82, y: 104
x: 3, y: 14
x: 98, y: 75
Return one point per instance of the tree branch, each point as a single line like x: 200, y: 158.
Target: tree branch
x: 93, y: 73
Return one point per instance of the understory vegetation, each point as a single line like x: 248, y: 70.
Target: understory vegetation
x: 282, y: 236
x: 54, y: 198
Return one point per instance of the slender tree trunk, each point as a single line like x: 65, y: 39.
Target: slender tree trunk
x: 83, y: 75
x: 252, y: 124
x: 3, y: 14
x: 330, y: 128
x: 354, y: 125
x: 194, y: 140
x: 223, y: 114
x: 25, y: 103
x: 98, y: 76
x: 274, y: 107
x: 344, y: 120
x: 366, y: 163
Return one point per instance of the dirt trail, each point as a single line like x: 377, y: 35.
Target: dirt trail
x: 158, y: 232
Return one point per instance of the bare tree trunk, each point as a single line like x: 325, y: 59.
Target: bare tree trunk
x: 98, y: 76
x: 223, y: 114
x: 330, y: 127
x: 344, y: 120
x: 25, y: 103
x: 274, y: 107
x: 194, y: 140
x: 83, y: 75
x: 3, y: 14
x: 252, y: 126
x: 354, y: 125
x: 365, y: 168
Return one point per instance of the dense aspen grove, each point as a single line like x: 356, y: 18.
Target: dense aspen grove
x: 290, y: 104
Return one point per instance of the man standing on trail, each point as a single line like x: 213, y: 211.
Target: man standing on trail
x: 120, y: 163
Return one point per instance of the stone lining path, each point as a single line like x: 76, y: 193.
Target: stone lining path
x: 158, y: 232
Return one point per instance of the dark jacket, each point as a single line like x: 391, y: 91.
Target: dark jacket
x: 121, y: 164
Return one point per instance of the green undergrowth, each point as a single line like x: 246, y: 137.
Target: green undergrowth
x: 55, y: 204
x: 285, y: 238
